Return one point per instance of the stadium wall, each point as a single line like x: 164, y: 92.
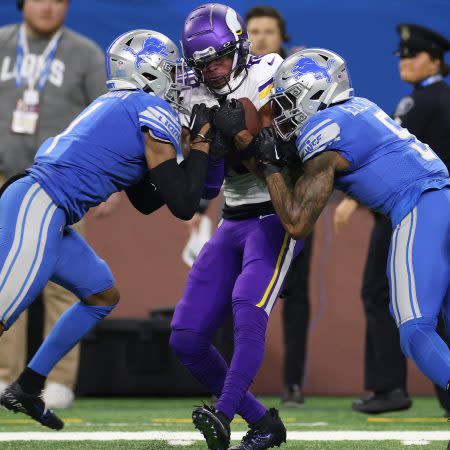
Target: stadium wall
x: 145, y: 255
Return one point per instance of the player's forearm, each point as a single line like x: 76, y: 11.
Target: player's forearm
x: 144, y: 196
x: 181, y: 186
x: 286, y: 206
x: 300, y: 209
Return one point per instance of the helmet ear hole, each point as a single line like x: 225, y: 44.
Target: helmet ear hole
x: 291, y: 97
x: 149, y: 76
x: 317, y: 95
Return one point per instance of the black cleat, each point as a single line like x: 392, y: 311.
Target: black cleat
x: 214, y: 426
x: 16, y: 400
x: 268, y: 432
x: 377, y: 403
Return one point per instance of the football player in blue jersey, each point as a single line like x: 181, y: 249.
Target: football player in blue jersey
x: 126, y: 140
x: 351, y: 144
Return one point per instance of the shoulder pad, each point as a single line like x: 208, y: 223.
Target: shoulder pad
x: 317, y: 136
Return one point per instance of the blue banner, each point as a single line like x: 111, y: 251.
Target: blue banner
x: 363, y: 32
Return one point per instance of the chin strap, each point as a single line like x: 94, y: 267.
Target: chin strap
x: 227, y: 89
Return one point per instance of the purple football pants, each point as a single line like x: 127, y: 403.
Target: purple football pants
x: 241, y: 271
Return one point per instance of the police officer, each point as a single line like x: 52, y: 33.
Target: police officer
x: 426, y: 114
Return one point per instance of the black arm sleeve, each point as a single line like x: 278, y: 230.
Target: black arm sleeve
x: 144, y: 196
x: 181, y: 186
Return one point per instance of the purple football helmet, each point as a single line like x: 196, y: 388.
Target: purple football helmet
x: 210, y: 32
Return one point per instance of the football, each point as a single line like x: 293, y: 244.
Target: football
x: 253, y: 124
x: 251, y: 116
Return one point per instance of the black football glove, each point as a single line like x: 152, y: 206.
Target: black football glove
x: 288, y: 151
x: 200, y: 116
x: 230, y: 118
x: 220, y: 145
x: 268, y: 157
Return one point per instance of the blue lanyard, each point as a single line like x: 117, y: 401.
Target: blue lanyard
x: 53, y: 43
x: 431, y: 80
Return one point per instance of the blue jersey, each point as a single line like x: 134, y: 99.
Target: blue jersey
x: 389, y: 168
x: 102, y: 151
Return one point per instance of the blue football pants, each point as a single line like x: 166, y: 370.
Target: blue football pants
x: 36, y: 246
x: 419, y: 273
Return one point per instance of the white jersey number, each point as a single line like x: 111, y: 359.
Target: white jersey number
x: 402, y: 133
x: 87, y: 112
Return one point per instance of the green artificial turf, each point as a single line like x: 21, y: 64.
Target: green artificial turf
x: 145, y: 414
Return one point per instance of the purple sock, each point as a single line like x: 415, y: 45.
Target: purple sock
x: 250, y: 323
x: 207, y: 365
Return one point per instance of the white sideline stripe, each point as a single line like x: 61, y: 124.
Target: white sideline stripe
x: 195, y: 436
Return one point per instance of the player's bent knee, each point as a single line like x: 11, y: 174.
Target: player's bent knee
x: 249, y: 321
x: 110, y: 297
x: 188, y: 344
x: 412, y: 333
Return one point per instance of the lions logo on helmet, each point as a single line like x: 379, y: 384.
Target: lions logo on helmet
x: 307, y: 82
x: 147, y: 60
x: 151, y: 45
x: 306, y: 66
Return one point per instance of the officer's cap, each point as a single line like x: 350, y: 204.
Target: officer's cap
x: 416, y: 38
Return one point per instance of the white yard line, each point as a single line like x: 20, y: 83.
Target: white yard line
x: 405, y: 436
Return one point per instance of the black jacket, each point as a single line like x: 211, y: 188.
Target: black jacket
x: 426, y: 114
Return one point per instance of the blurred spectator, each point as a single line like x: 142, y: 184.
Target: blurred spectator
x: 200, y: 231
x: 267, y: 32
x: 266, y: 29
x: 426, y: 114
x: 48, y: 75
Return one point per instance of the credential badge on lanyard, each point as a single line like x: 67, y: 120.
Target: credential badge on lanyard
x: 26, y: 114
